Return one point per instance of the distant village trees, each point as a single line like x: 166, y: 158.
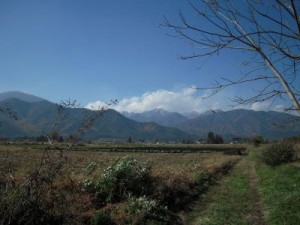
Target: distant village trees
x: 214, y: 139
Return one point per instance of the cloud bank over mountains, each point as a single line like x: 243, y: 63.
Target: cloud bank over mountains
x: 266, y: 106
x: 184, y: 100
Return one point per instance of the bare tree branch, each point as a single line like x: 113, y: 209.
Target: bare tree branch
x: 269, y: 30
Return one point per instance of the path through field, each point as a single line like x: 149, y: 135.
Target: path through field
x: 256, y: 214
x: 234, y: 200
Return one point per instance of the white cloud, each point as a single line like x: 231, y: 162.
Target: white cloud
x: 184, y: 100
x: 266, y: 106
x: 96, y: 105
x: 260, y: 106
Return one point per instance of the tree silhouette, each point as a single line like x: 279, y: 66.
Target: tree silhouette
x: 268, y: 30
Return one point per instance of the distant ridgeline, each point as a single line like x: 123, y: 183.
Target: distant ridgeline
x: 36, y: 116
x: 36, y: 119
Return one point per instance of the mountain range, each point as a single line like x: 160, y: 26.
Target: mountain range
x: 19, y: 95
x: 160, y: 116
x: 36, y: 116
x: 229, y: 124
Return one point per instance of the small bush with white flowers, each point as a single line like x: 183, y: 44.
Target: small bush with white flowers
x: 126, y: 176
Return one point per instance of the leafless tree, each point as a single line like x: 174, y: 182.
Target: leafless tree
x: 269, y: 30
x: 25, y: 204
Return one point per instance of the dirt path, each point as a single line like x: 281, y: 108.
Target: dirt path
x: 256, y: 214
x: 252, y: 213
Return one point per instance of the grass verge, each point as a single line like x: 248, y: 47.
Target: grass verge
x: 280, y: 190
x: 229, y: 202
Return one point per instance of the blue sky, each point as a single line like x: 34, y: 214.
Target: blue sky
x: 94, y: 51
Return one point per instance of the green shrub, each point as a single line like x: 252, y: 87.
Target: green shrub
x: 101, y: 218
x: 146, y: 208
x: 257, y: 140
x: 88, y: 185
x: 124, y: 177
x: 277, y: 154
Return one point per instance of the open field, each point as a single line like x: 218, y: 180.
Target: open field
x: 183, y: 159
x: 180, y: 184
x: 88, y: 163
x: 135, y: 147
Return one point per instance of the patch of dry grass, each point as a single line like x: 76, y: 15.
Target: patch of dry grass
x: 24, y: 158
x: 90, y: 164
